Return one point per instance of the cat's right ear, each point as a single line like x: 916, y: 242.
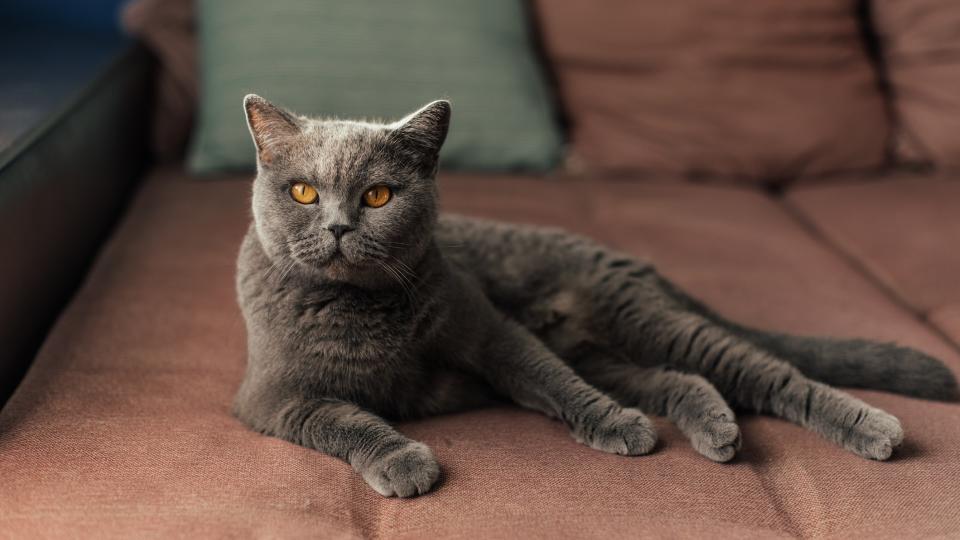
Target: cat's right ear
x: 271, y: 127
x: 424, y: 131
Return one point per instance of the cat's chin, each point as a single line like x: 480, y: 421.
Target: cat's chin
x: 340, y: 269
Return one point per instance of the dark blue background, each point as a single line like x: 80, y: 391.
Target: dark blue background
x: 96, y: 15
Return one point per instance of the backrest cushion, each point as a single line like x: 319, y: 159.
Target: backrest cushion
x: 372, y: 59
x: 764, y: 90
x: 920, y: 43
x: 166, y: 27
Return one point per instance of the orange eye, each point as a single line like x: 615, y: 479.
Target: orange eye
x: 377, y: 196
x: 303, y: 193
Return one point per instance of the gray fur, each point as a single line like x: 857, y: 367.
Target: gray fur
x: 410, y: 314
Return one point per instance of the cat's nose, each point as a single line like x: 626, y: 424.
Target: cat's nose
x: 339, y: 230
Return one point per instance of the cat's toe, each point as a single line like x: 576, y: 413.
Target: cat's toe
x: 627, y: 432
x: 886, y: 425
x: 717, y: 439
x: 406, y: 472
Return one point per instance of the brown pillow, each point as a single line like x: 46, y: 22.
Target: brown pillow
x: 921, y: 46
x: 760, y: 89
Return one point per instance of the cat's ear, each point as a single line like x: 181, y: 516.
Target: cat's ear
x: 270, y: 126
x: 425, y: 130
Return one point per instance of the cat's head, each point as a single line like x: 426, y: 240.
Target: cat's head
x: 344, y: 200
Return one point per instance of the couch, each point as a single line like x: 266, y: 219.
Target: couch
x: 122, y: 426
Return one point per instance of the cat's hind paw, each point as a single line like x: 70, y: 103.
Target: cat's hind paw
x: 874, y: 434
x: 626, y: 432
x: 718, y: 438
x: 408, y: 471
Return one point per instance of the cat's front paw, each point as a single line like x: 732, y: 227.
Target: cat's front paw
x: 408, y: 471
x: 624, y: 431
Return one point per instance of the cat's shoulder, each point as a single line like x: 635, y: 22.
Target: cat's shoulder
x: 253, y: 271
x: 252, y: 260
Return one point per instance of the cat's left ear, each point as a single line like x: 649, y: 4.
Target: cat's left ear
x: 270, y: 126
x: 425, y: 130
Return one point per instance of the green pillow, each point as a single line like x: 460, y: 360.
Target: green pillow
x: 377, y: 59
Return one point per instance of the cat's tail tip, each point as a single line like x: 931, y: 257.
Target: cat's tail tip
x: 927, y: 378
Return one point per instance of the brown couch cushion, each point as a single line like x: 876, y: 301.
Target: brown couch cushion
x: 904, y: 230
x: 122, y: 427
x: 757, y: 89
x: 921, y: 45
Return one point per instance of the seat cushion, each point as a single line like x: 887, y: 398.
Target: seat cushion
x: 122, y: 427
x: 903, y: 230
x: 921, y: 49
x: 751, y: 89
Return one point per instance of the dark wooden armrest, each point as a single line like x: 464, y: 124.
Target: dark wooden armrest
x: 64, y: 180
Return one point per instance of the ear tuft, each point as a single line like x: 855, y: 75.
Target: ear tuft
x: 426, y: 129
x: 270, y: 126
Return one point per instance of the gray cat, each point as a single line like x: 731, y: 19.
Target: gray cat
x: 363, y: 305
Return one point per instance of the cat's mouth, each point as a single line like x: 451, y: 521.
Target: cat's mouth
x: 338, y: 261
x: 336, y: 257
x: 321, y: 256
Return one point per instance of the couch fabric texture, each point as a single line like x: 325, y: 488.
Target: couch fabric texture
x: 122, y: 427
x: 369, y: 59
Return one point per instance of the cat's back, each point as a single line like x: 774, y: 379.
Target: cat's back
x: 491, y: 238
x: 472, y: 240
x: 506, y: 255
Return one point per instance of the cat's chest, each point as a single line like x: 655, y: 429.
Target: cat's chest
x: 346, y: 325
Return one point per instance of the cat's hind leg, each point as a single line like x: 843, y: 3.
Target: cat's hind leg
x: 686, y: 399
x: 751, y: 377
x: 859, y: 363
x: 642, y: 315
